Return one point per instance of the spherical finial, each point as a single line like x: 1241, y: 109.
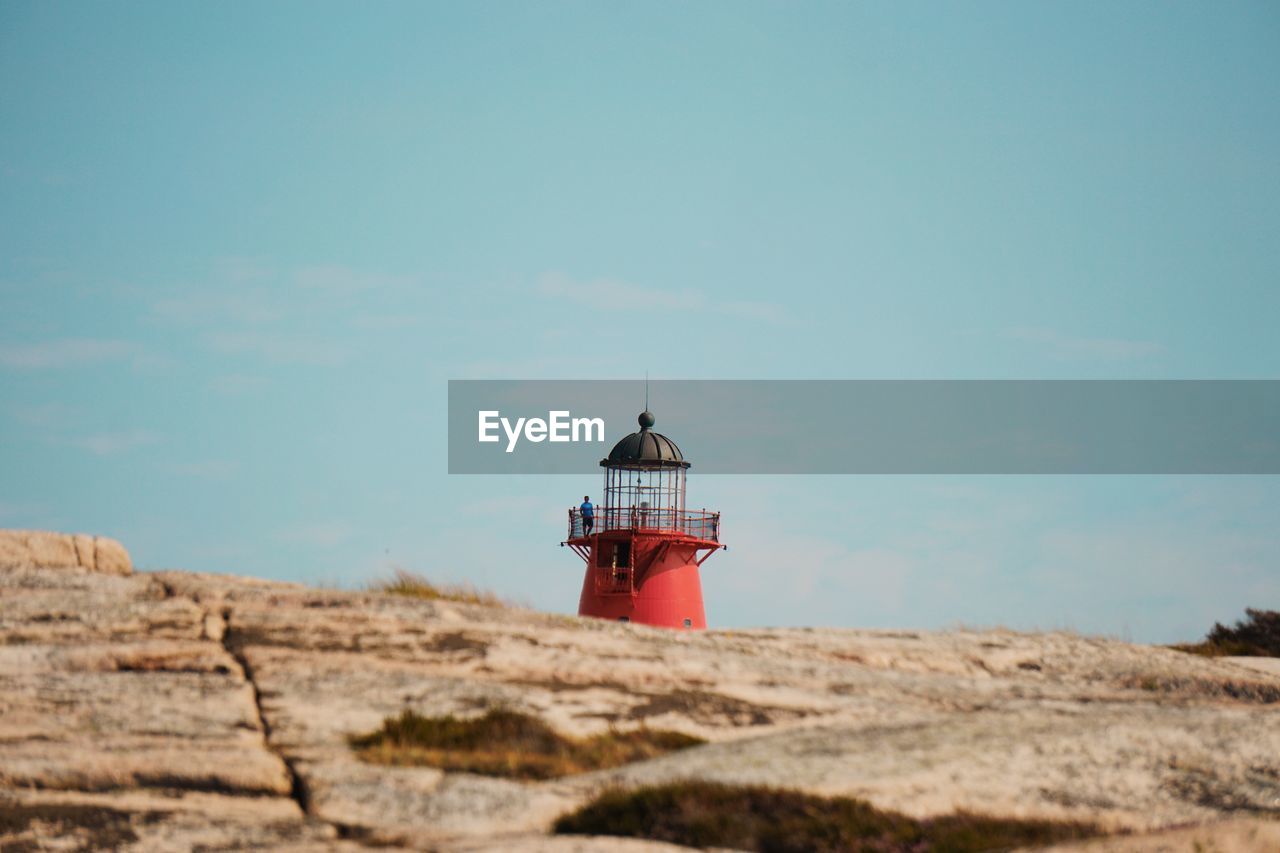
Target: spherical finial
x: 646, y: 419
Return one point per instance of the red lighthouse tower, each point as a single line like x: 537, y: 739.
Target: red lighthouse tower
x: 645, y: 548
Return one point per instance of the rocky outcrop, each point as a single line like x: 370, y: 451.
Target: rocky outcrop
x: 123, y: 723
x: 174, y: 710
x: 41, y: 549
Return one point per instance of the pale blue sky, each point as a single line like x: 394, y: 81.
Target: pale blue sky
x: 243, y: 247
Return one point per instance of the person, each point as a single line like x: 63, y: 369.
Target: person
x: 588, y: 515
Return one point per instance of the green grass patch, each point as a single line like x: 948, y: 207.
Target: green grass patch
x: 508, y: 743
x: 1257, y: 635
x: 776, y: 820
x: 414, y: 585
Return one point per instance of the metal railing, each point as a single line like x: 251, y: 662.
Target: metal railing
x: 700, y: 524
x: 610, y: 581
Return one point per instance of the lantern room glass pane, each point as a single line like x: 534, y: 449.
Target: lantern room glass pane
x: 644, y: 497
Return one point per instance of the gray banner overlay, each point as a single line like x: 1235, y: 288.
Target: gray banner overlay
x: 877, y: 427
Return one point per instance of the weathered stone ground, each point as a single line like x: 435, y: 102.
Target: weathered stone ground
x: 172, y: 710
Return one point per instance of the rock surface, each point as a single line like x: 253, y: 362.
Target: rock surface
x: 41, y: 549
x: 172, y: 710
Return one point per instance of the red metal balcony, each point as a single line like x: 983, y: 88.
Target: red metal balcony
x: 700, y: 524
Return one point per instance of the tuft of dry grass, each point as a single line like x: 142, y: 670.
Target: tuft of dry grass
x: 1260, y: 692
x: 508, y: 743
x: 414, y: 585
x: 777, y: 820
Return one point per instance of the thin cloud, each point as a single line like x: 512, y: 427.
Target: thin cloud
x: 542, y: 367
x: 514, y: 506
x: 607, y: 294
x: 1072, y: 347
x: 280, y: 350
x: 240, y: 293
x: 346, y: 281
x: 249, y: 298
x: 212, y: 469
x: 767, y: 311
x: 114, y: 443
x: 385, y: 322
x: 43, y: 415
x: 252, y: 306
x: 238, y: 383
x: 11, y: 511
x: 322, y: 535
x: 65, y: 353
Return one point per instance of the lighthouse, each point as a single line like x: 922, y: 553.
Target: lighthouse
x: 645, y: 546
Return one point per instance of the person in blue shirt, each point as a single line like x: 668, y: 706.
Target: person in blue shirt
x: 588, y: 515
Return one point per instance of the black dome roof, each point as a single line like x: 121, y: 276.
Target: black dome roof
x: 646, y: 449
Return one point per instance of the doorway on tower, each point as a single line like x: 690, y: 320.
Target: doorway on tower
x: 614, y: 572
